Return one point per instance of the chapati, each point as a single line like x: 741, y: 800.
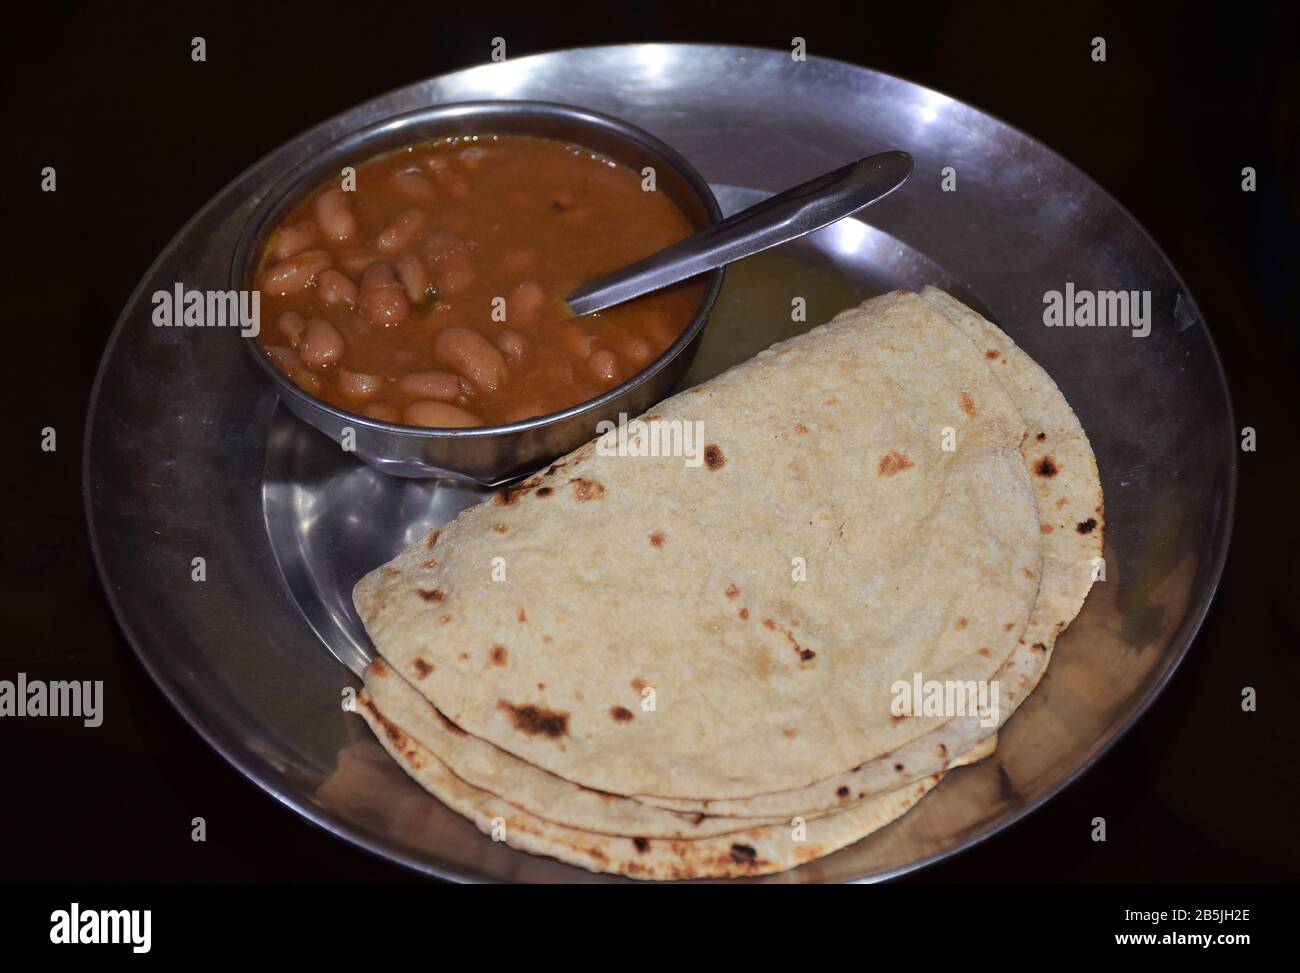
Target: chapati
x: 863, y: 514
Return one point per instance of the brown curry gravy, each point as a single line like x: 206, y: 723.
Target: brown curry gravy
x: 431, y: 294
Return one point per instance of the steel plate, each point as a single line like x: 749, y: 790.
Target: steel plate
x: 188, y: 455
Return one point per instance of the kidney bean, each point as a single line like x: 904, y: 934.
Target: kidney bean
x: 355, y: 261
x: 334, y: 214
x: 577, y: 339
x: 453, y: 272
x: 334, y: 286
x: 322, y: 344
x: 285, y: 359
x: 358, y: 385
x: 472, y: 356
x: 604, y: 363
x: 305, y: 380
x: 525, y: 302
x: 402, y: 232
x: 292, y: 325
x: 414, y: 277
x: 295, y: 273
x: 512, y: 345
x: 472, y: 157
x: 439, y: 243
x: 382, y: 411
x: 293, y: 239
x: 455, y: 184
x: 637, y: 351
x: 439, y: 415
x: 381, y: 297
x: 411, y: 184
x: 443, y: 386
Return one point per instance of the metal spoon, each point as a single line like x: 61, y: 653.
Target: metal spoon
x: 779, y: 219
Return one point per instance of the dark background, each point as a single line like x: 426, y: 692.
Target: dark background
x: 141, y: 138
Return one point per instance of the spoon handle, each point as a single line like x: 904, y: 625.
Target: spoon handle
x: 778, y: 219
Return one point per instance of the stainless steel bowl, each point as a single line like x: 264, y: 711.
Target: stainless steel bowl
x: 488, y: 455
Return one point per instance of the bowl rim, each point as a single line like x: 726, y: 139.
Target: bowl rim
x: 244, y: 252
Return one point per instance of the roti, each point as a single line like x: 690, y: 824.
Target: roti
x: 861, y: 514
x: 544, y: 795
x: 754, y: 851
x: 1067, y: 487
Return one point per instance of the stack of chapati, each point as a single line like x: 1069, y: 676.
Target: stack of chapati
x: 664, y: 670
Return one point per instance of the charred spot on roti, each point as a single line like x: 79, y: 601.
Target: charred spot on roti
x: 1008, y: 626
x: 898, y: 718
x: 430, y: 564
x: 1044, y: 528
x: 713, y: 457
x: 657, y: 539
x: 451, y: 727
x: 555, y: 468
x: 379, y: 668
x: 511, y: 495
x: 445, y: 617
x: 1086, y: 527
x: 642, y: 845
x: 500, y: 528
x: 985, y: 651
x: 621, y: 714
x: 941, y: 751
x: 1041, y: 436
x: 584, y: 489
x: 805, y: 655
x: 992, y: 354
x: 535, y: 720
x: 743, y: 613
x: 638, y: 684
x: 789, y: 733
x: 899, y: 768
x: 521, y: 614
x: 1039, y: 647
x: 842, y: 792
x: 498, y: 656
x: 422, y: 668
x: 544, y: 491
x: 1028, y: 574
x: 463, y: 656
x: 432, y: 538
x: 800, y: 429
x: 1062, y: 502
x: 1046, y: 467
x: 400, y: 741
x: 961, y: 623
x: 431, y: 594
x: 894, y: 462
x: 392, y: 572
x: 743, y: 854
x: 968, y: 404
x: 732, y: 590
